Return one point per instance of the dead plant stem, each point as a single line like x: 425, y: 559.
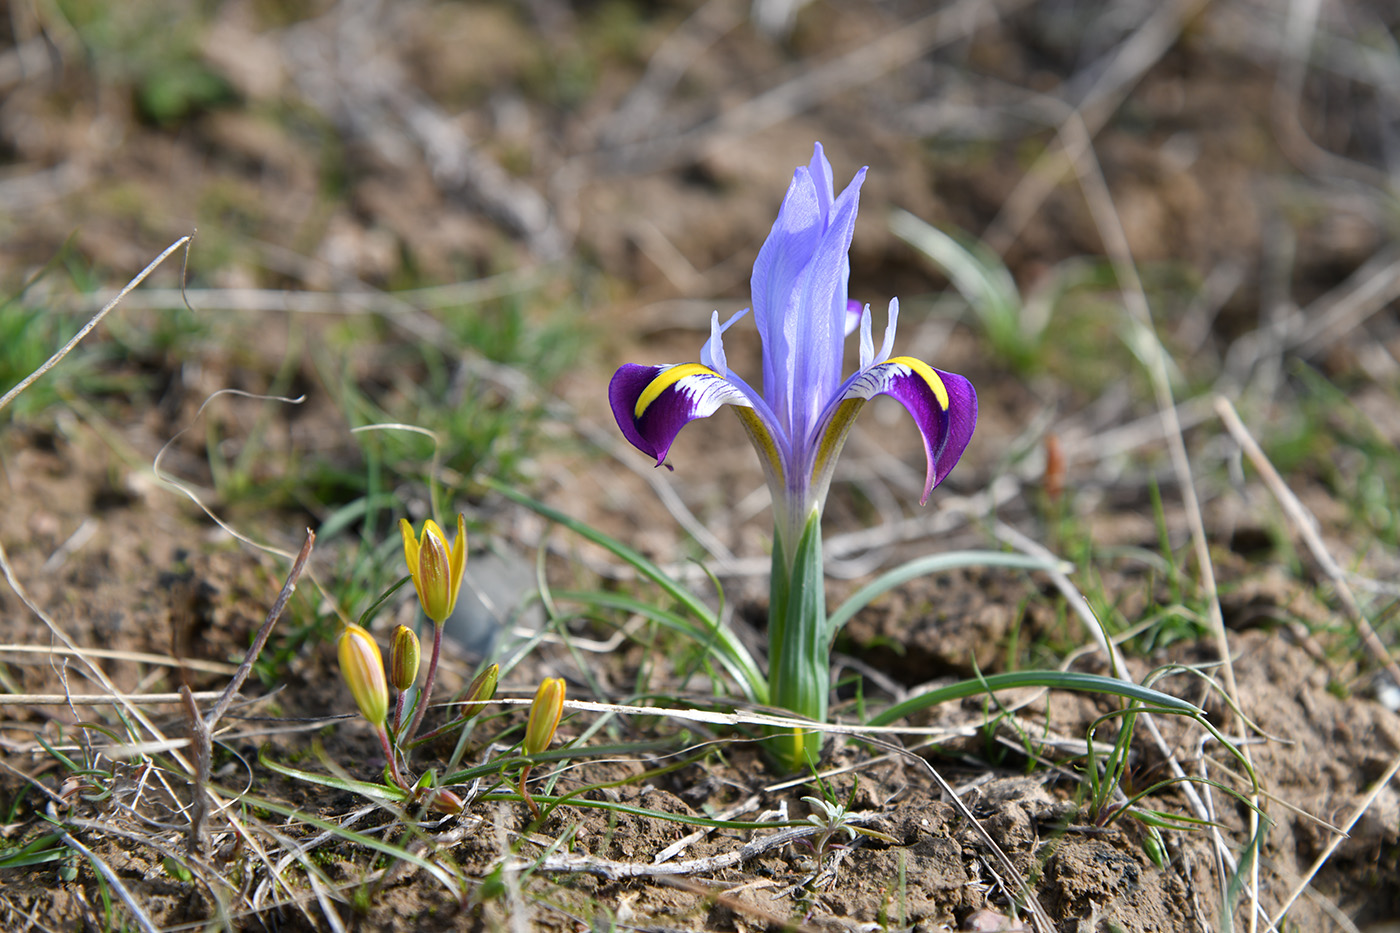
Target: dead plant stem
x: 1110, y: 226
x: 1306, y: 526
x: 87, y: 328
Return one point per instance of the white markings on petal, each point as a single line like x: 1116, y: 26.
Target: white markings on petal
x: 867, y: 342
x: 888, y: 346
x: 712, y: 353
x: 707, y: 393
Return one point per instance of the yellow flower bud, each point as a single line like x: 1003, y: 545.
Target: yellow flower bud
x: 362, y: 667
x: 404, y: 655
x: 436, y: 569
x: 482, y: 688
x: 544, y: 715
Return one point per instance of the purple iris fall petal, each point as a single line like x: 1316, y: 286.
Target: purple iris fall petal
x: 803, y: 314
x: 942, y: 404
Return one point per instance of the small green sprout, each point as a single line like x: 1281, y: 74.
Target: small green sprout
x: 833, y: 817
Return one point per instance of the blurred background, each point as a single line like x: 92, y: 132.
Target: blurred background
x: 452, y: 213
x: 462, y: 216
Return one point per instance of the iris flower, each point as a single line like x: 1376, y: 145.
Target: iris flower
x: 800, y: 418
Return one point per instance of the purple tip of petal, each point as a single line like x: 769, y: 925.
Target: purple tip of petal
x: 627, y: 385
x: 855, y: 310
x: 922, y: 390
x: 960, y: 420
x: 669, y: 398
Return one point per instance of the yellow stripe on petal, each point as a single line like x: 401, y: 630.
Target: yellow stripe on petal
x: 762, y: 440
x: 927, y: 374
x: 834, y: 435
x: 664, y: 380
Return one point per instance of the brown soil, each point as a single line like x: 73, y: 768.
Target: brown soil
x: 307, y: 179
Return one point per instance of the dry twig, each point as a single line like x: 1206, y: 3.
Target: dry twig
x: 1306, y: 527
x: 202, y: 727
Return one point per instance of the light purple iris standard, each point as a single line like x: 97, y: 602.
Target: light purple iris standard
x: 800, y: 420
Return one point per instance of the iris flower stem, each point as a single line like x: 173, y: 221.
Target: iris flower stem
x: 421, y: 706
x: 799, y: 674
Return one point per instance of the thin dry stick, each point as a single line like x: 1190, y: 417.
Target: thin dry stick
x: 680, y: 845
x: 1287, y: 104
x: 208, y: 873
x: 614, y: 871
x: 87, y: 328
x: 645, y: 103
x: 1337, y: 839
x: 189, y: 493
x: 738, y: 718
x: 273, y: 615
x: 1129, y: 63
x: 139, y: 657
x: 202, y: 727
x: 605, y: 440
x: 853, y: 69
x: 1337, y: 312
x: 1115, y: 239
x: 1307, y: 530
x: 203, y: 744
x: 342, y: 303
x: 1041, y: 919
x: 1328, y: 318
x: 96, y: 699
x: 98, y: 675
x: 1094, y: 626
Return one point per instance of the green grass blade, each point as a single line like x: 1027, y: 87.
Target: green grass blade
x: 1055, y: 680
x: 363, y: 788
x: 733, y: 656
x: 643, y: 566
x: 433, y: 868
x: 922, y: 566
x: 39, y: 851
